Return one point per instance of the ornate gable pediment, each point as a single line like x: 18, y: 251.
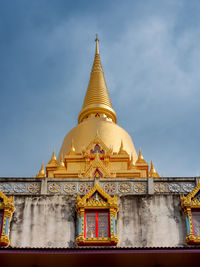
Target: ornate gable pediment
x: 97, y: 167
x: 95, y: 143
x: 97, y: 197
x: 192, y: 200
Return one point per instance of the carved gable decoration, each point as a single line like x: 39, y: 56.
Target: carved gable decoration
x: 97, y: 146
x: 97, y: 149
x: 97, y: 168
x: 191, y: 207
x: 97, y: 197
x: 192, y: 200
x: 97, y: 173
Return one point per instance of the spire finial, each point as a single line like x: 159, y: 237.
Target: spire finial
x: 41, y: 173
x: 61, y: 161
x: 152, y: 167
x: 53, y: 160
x: 131, y: 164
x: 97, y: 99
x: 53, y: 155
x: 72, y: 149
x: 122, y: 145
x: 140, y: 154
x: 97, y: 44
x: 152, y: 172
x: 122, y: 151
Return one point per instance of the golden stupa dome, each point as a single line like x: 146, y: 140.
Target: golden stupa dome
x: 97, y: 115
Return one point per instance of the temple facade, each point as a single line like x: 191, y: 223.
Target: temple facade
x: 99, y: 192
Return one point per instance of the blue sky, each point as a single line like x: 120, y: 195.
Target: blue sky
x: 150, y: 52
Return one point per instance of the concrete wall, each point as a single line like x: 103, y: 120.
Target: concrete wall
x: 151, y: 221
x: 43, y: 222
x: 143, y: 221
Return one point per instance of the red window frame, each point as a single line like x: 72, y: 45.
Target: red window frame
x: 1, y: 222
x: 97, y: 212
x: 192, y: 211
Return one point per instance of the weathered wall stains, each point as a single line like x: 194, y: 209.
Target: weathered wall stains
x: 151, y: 221
x: 43, y: 222
x: 143, y: 221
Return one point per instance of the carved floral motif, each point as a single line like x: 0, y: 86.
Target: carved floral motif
x: 54, y: 188
x: 19, y: 188
x: 174, y: 188
x: 188, y: 187
x: 124, y: 187
x: 6, y: 188
x: 33, y: 188
x: 109, y: 187
x: 160, y: 188
x: 70, y: 188
x: 84, y: 188
x: 139, y: 188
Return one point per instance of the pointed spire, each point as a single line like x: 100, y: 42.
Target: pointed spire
x: 140, y: 154
x: 41, y: 173
x: 72, y: 149
x: 122, y: 145
x: 152, y: 167
x: 140, y: 159
x: 97, y: 99
x: 131, y: 165
x: 97, y: 45
x: 61, y: 166
x: 61, y: 161
x: 53, y: 160
x: 152, y: 172
x: 53, y: 155
x: 122, y: 151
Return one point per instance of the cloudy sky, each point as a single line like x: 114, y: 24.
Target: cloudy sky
x: 150, y: 52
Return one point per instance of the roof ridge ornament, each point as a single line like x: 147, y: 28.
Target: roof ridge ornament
x: 152, y: 172
x: 72, y: 149
x: 41, y: 173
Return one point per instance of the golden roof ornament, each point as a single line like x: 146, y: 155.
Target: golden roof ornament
x: 140, y: 159
x: 41, y: 173
x: 72, y: 149
x: 53, y: 161
x: 131, y: 165
x: 152, y: 172
x: 97, y: 100
x: 122, y: 151
x: 140, y: 154
x: 61, y: 163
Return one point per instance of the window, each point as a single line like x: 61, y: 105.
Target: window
x: 96, y: 224
x: 97, y: 149
x: 6, y: 210
x: 196, y: 222
x: 191, y: 207
x: 1, y: 221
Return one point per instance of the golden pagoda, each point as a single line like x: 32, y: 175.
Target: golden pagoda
x: 97, y: 146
